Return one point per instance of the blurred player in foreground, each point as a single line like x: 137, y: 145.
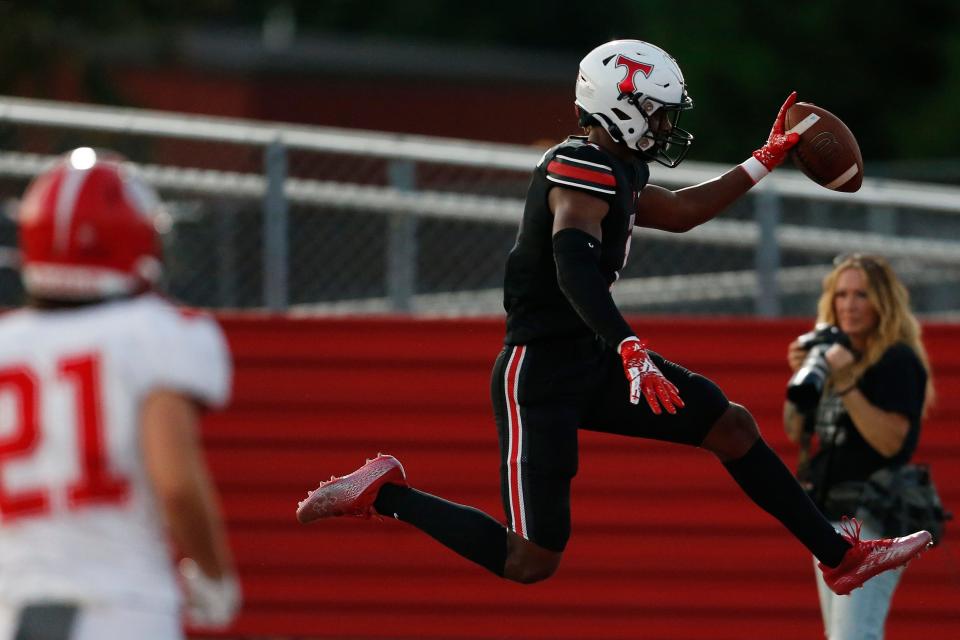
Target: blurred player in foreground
x: 101, y: 386
x: 571, y: 361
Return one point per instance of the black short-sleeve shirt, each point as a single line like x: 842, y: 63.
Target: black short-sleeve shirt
x: 896, y: 383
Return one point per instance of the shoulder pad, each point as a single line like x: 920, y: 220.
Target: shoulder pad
x: 581, y: 165
x: 183, y: 350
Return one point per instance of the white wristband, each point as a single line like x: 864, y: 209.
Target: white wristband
x: 754, y: 169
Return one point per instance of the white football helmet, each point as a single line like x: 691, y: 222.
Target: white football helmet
x: 624, y: 86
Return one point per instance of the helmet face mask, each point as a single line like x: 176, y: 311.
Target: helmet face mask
x: 636, y: 92
x: 665, y: 143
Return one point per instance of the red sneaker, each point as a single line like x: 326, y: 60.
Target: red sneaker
x: 868, y: 558
x: 353, y: 494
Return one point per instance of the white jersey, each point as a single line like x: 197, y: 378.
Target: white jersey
x: 78, y: 520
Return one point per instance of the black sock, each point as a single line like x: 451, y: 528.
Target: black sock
x: 769, y: 483
x: 468, y: 531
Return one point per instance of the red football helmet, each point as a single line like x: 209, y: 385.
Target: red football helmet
x: 87, y: 229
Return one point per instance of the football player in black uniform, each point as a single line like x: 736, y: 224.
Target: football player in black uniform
x: 572, y: 362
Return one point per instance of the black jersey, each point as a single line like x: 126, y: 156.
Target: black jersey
x: 536, y: 307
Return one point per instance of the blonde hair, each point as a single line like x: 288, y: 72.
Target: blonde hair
x: 891, y: 300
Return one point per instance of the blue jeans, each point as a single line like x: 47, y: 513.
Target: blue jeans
x: 862, y: 614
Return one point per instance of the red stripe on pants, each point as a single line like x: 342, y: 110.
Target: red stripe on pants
x: 514, y: 451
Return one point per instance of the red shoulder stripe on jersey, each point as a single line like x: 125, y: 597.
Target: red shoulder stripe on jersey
x: 185, y: 312
x: 587, y: 175
x: 188, y: 313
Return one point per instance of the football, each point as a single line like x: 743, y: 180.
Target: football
x: 827, y: 152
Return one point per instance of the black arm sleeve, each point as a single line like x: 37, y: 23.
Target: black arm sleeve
x: 577, y: 255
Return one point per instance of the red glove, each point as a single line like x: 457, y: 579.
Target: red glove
x: 644, y: 376
x: 766, y: 158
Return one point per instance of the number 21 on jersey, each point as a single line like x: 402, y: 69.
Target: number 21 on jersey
x: 21, y: 435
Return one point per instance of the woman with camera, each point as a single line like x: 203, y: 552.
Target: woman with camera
x: 860, y: 386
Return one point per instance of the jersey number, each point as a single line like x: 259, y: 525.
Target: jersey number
x: 95, y: 484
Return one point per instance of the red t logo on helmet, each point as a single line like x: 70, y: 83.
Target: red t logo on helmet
x: 626, y: 85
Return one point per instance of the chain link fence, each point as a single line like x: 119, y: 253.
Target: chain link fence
x: 313, y: 220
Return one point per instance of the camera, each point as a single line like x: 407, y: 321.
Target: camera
x: 806, y: 385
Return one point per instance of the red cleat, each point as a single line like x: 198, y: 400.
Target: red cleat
x: 868, y: 558
x: 353, y: 494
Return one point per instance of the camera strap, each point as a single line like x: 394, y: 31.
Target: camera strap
x: 818, y: 488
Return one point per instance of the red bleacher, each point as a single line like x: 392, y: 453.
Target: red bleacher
x: 664, y: 545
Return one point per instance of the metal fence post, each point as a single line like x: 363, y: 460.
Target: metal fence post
x: 402, y: 242
x: 882, y: 219
x: 227, y: 258
x: 275, y: 228
x: 767, y: 205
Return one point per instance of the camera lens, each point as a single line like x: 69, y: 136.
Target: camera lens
x: 806, y: 385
